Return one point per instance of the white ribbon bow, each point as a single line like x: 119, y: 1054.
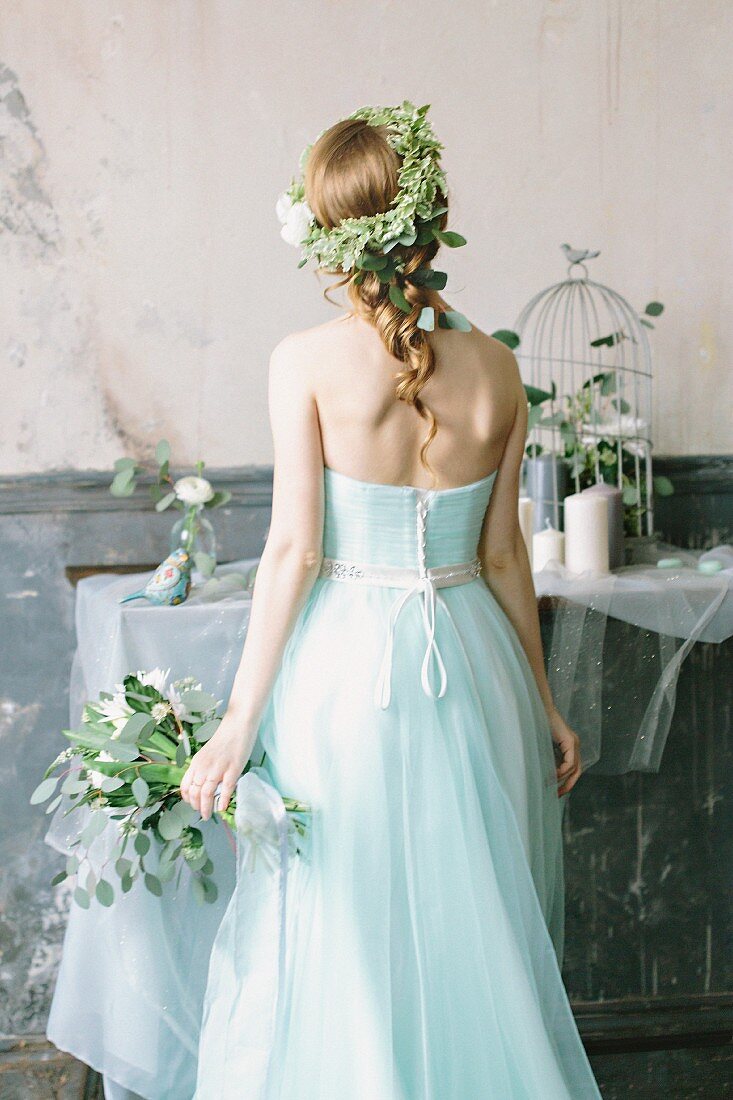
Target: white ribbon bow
x: 425, y: 587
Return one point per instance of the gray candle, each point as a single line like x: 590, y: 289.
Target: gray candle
x: 546, y: 482
x: 614, y: 500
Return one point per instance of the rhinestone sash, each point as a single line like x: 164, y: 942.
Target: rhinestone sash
x: 416, y: 582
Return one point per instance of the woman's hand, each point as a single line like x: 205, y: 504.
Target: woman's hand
x: 220, y: 761
x: 569, y: 769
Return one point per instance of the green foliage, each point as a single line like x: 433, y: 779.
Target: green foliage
x: 205, y: 563
x: 376, y: 243
x: 663, y: 487
x: 426, y: 320
x: 450, y: 318
x: 129, y: 775
x: 419, y: 199
x: 506, y: 336
x: 397, y: 297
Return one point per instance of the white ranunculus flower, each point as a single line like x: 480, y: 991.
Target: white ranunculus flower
x: 283, y: 204
x: 193, y: 490
x: 297, y: 222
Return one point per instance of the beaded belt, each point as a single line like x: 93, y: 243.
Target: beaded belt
x: 420, y: 581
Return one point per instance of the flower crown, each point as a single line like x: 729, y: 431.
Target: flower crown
x: 370, y: 243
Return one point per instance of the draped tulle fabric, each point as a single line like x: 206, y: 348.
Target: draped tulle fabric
x: 424, y: 919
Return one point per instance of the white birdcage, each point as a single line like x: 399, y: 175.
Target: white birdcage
x: 586, y: 349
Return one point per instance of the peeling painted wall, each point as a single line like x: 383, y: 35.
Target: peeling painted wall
x: 142, y: 147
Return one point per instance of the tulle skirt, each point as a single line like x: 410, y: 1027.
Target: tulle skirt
x: 423, y: 926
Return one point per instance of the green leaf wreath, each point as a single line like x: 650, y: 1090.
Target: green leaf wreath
x: 375, y: 242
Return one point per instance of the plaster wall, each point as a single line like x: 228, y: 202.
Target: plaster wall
x: 142, y: 146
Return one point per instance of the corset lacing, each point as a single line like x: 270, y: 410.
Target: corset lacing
x: 421, y: 581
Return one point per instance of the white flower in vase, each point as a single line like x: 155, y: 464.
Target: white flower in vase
x: 193, y: 491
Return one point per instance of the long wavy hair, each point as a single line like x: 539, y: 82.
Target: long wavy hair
x: 351, y: 172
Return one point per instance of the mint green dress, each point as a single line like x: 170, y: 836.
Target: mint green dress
x: 410, y: 947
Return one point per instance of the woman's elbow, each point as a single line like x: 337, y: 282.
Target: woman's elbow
x: 301, y: 554
x: 501, y: 559
x: 499, y: 562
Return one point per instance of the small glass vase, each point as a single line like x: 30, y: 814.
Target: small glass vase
x: 195, y: 534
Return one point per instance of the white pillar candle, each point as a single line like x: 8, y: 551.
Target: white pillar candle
x: 526, y: 520
x: 547, y: 546
x: 615, y: 521
x: 586, y: 533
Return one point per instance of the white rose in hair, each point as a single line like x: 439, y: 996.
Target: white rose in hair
x: 296, y: 218
x: 193, y: 490
x: 282, y: 206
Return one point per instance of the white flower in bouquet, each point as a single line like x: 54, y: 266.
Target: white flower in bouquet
x: 156, y: 678
x: 96, y: 777
x: 115, y: 710
x: 193, y: 491
x: 131, y: 785
x: 295, y: 218
x: 174, y: 693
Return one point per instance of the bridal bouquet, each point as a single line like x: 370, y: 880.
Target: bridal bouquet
x: 125, y: 764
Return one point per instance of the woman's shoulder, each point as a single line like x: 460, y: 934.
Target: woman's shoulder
x: 307, y: 340
x: 306, y: 357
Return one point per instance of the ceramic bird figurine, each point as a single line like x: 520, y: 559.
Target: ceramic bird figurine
x: 169, y: 584
x: 577, y: 255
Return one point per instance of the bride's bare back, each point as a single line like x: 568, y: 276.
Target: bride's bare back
x: 368, y: 434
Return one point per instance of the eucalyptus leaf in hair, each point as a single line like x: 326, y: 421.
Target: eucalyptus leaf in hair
x: 426, y: 320
x: 450, y: 318
x: 397, y: 298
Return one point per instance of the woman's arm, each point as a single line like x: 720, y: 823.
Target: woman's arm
x: 509, y: 576
x: 288, y: 567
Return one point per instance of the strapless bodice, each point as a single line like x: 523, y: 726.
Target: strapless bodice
x: 388, y: 524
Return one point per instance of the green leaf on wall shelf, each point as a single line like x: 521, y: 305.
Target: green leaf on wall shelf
x: 162, y: 452
x: 165, y: 502
x: 123, y: 483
